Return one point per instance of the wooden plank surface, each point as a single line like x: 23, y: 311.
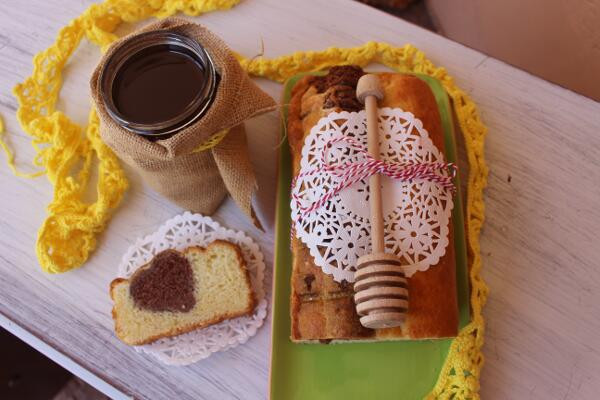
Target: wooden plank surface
x: 540, y: 241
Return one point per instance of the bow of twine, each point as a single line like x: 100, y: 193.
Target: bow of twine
x: 351, y: 172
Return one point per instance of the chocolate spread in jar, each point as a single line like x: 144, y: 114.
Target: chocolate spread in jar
x: 166, y: 285
x: 157, y: 84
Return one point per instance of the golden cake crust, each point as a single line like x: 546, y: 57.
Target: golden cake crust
x: 322, y: 309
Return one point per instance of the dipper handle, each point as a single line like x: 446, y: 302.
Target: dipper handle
x: 368, y: 91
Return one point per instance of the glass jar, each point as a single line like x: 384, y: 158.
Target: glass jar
x: 157, y: 83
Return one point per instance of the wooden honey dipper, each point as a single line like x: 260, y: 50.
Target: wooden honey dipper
x: 380, y: 286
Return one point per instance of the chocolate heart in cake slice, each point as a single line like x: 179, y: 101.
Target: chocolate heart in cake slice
x: 167, y: 284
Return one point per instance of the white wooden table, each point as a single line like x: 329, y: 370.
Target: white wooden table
x: 540, y: 242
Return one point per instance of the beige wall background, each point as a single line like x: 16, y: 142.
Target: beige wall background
x: 558, y: 40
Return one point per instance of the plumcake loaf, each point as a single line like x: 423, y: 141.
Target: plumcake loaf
x: 322, y: 309
x: 178, y: 292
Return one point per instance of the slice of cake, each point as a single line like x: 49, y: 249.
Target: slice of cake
x: 178, y: 292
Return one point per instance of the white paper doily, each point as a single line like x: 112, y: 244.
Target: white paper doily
x: 416, y: 214
x: 190, y: 230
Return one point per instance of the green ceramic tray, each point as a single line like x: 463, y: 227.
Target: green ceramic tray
x: 385, y: 370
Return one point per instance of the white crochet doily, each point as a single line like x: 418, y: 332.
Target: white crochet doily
x: 190, y: 230
x: 416, y: 214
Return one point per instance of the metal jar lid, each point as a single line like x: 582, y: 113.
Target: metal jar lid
x: 197, y: 107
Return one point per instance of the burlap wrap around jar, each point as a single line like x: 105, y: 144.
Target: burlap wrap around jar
x: 181, y: 167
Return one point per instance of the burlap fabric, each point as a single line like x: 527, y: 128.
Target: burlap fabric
x: 195, y: 180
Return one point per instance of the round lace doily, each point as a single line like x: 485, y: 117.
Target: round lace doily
x: 190, y: 230
x: 416, y: 214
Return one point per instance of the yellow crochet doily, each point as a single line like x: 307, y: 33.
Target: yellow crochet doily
x: 68, y: 235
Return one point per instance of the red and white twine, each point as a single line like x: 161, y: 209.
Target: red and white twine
x: 350, y: 173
